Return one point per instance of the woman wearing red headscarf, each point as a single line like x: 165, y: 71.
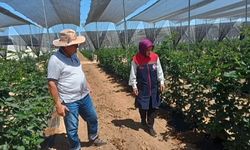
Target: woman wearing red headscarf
x: 146, y: 76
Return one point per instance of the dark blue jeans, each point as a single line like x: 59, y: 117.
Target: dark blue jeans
x: 85, y: 108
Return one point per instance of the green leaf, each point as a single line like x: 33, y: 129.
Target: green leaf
x: 20, y: 148
x: 4, y: 147
x: 230, y: 74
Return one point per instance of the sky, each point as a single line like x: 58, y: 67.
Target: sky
x: 84, y: 9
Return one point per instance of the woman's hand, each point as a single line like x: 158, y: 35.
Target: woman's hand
x: 135, y: 91
x: 162, y: 87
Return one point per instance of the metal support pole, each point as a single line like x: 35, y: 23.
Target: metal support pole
x: 97, y: 36
x: 206, y: 29
x: 31, y: 40
x: 189, y: 3
x: 125, y: 25
x: 154, y: 34
x: 246, y: 12
x: 46, y: 23
x: 181, y: 27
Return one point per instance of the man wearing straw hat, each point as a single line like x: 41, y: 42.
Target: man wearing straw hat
x: 69, y: 89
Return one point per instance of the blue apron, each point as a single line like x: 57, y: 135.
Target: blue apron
x: 147, y: 85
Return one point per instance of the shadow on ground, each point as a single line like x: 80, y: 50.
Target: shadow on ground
x: 51, y: 142
x: 129, y: 123
x: 59, y: 142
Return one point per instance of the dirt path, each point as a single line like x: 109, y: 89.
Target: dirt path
x: 118, y: 119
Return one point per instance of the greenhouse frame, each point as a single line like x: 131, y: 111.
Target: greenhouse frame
x: 119, y: 22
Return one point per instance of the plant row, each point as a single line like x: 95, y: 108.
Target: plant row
x: 88, y: 54
x: 116, y: 61
x: 25, y: 104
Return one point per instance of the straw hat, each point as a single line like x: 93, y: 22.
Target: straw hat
x: 68, y: 37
